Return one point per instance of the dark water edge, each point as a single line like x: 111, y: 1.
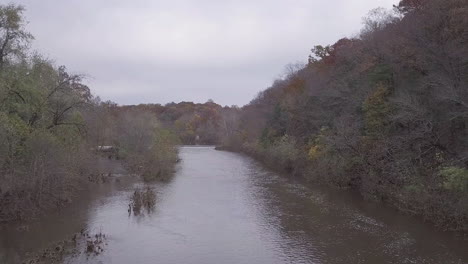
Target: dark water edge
x: 300, y: 177
x: 223, y: 207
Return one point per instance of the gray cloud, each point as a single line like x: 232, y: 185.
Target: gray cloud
x: 153, y: 51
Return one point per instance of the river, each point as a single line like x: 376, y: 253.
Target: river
x: 223, y: 207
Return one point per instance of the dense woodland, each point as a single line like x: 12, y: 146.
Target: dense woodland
x: 384, y: 113
x: 52, y: 127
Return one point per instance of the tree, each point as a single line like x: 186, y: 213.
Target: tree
x: 378, y: 19
x: 319, y: 52
x: 66, y: 95
x: 409, y: 5
x: 13, y: 36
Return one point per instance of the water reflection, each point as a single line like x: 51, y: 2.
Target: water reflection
x: 225, y: 208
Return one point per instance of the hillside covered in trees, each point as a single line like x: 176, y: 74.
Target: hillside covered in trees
x: 385, y: 113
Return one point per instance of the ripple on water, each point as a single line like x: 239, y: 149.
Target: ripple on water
x: 225, y: 208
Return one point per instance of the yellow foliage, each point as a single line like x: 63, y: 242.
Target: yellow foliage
x: 318, y: 147
x: 315, y: 152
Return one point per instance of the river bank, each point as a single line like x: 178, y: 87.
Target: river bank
x: 298, y: 169
x: 103, y: 170
x: 223, y: 206
x: 58, y: 234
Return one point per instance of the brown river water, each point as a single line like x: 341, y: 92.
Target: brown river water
x: 223, y: 207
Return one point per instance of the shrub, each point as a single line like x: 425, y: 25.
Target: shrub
x: 161, y: 156
x: 283, y: 153
x: 318, y: 147
x: 142, y: 199
x: 455, y: 179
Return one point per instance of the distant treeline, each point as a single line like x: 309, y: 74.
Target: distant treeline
x: 52, y: 129
x: 385, y: 113
x: 193, y: 123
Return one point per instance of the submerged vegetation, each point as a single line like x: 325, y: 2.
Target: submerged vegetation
x: 142, y: 199
x: 82, y: 243
x: 52, y: 128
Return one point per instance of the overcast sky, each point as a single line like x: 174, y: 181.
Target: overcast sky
x: 154, y: 51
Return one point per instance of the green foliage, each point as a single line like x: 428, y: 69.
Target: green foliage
x: 286, y: 147
x: 192, y: 123
x: 145, y: 147
x: 279, y: 153
x: 414, y: 188
x: 13, y: 132
x: 43, y: 148
x: 265, y: 138
x: 381, y: 74
x: 41, y: 144
x: 455, y: 179
x: 161, y: 156
x: 13, y: 36
x: 377, y: 110
x: 50, y: 123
